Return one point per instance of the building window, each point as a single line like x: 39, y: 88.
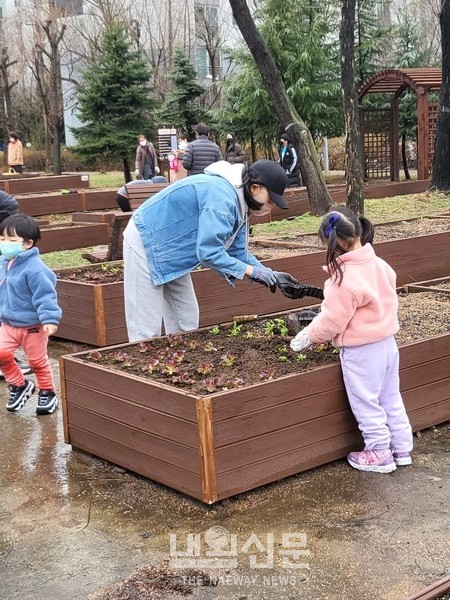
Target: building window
x: 203, y: 63
x: 206, y: 21
x: 67, y: 8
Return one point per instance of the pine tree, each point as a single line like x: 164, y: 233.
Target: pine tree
x: 300, y: 37
x: 114, y: 104
x: 181, y: 108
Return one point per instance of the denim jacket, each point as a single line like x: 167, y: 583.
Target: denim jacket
x: 199, y: 220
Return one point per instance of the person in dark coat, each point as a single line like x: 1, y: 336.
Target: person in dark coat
x: 234, y: 153
x: 146, y: 159
x: 289, y: 161
x: 200, y: 153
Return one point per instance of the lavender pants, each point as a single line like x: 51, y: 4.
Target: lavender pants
x: 371, y: 377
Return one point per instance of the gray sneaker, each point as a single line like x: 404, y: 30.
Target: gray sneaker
x: 47, y: 402
x: 19, y: 394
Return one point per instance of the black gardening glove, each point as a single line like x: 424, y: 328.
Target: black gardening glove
x: 293, y: 289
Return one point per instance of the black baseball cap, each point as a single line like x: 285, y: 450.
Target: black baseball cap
x: 272, y: 176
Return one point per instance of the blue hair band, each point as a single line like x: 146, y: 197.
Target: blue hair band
x: 331, y: 225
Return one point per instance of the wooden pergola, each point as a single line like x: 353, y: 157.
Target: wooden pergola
x: 380, y: 127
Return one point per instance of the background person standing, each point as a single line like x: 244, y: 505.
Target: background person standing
x: 146, y: 159
x: 289, y: 161
x: 200, y: 153
x: 15, y: 153
x: 234, y: 153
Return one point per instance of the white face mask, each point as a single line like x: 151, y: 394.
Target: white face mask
x: 143, y: 143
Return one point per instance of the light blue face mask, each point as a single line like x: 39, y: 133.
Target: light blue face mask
x: 11, y: 249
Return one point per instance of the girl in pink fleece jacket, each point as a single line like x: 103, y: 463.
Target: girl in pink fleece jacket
x: 359, y: 315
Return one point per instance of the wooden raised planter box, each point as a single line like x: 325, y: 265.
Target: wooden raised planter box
x: 431, y: 285
x: 92, y: 313
x: 45, y: 183
x: 433, y: 591
x: 213, y: 447
x: 48, y: 203
x: 70, y: 237
x: 101, y: 319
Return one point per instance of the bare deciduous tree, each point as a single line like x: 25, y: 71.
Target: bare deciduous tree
x: 6, y: 85
x: 47, y: 71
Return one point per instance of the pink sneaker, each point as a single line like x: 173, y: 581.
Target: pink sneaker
x: 402, y: 459
x: 378, y: 461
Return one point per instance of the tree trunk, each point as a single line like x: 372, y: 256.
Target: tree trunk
x: 4, y: 125
x: 312, y: 175
x: 441, y: 171
x: 54, y: 37
x: 404, y: 157
x: 5, y: 100
x: 126, y: 170
x: 353, y: 151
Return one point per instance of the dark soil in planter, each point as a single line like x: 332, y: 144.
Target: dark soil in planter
x: 101, y: 273
x: 234, y: 356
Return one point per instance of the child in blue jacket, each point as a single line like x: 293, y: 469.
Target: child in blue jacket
x: 29, y: 313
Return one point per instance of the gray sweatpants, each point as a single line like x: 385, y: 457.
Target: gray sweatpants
x: 149, y: 306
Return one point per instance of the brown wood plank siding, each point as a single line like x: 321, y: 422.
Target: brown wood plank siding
x: 131, y: 411
x: 160, y: 447
x: 275, y: 393
x: 121, y: 385
x: 31, y: 185
x: 48, y: 205
x: 416, y: 353
x: 92, y: 217
x: 99, y: 199
x: 285, y: 463
x: 85, y: 335
x: 119, y: 454
x: 283, y: 415
x: 73, y: 236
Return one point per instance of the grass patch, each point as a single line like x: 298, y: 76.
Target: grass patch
x: 66, y: 258
x: 110, y: 179
x: 377, y: 210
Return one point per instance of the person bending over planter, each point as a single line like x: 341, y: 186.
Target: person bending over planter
x: 199, y: 220
x: 29, y: 313
x: 359, y: 315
